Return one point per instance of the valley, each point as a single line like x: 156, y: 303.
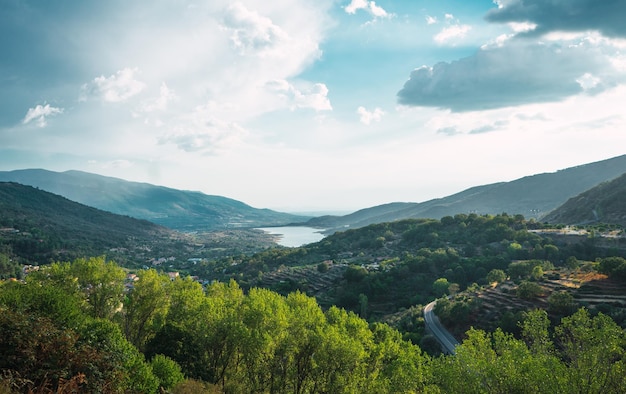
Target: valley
x: 499, y: 276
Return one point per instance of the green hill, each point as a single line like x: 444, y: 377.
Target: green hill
x: 40, y: 226
x: 532, y: 196
x: 177, y: 209
x: 605, y: 203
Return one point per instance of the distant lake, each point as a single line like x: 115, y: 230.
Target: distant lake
x: 295, y: 236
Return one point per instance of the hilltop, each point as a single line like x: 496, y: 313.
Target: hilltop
x: 176, y: 209
x: 532, y: 196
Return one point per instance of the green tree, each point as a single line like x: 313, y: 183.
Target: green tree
x: 537, y: 272
x: 146, y: 307
x: 594, y: 351
x: 441, y: 287
x: 496, y: 276
x: 322, y: 267
x: 535, y: 331
x: 528, y: 290
x: 167, y: 371
x: 561, y: 303
x: 99, y: 282
x: 497, y: 363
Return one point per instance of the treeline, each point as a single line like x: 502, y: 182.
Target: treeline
x: 72, y: 325
x: 83, y: 327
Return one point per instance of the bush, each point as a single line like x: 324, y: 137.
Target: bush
x: 167, y: 370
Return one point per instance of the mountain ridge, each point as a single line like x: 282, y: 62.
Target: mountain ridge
x: 44, y: 226
x: 178, y: 209
x: 605, y: 203
x: 532, y: 196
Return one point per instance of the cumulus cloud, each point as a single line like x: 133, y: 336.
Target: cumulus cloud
x: 39, y: 113
x: 605, y: 16
x: 514, y: 74
x: 161, y: 102
x: 369, y: 6
x: 116, y: 88
x: 367, y: 117
x: 450, y: 33
x: 314, y: 97
x: 203, y: 132
x: 250, y: 31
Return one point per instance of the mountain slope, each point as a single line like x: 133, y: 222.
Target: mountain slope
x: 532, y: 196
x: 177, y: 209
x: 40, y: 226
x: 605, y: 203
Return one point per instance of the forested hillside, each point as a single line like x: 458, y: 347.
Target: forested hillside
x: 605, y: 203
x: 72, y: 327
x: 42, y: 227
x: 387, y: 272
x: 37, y: 227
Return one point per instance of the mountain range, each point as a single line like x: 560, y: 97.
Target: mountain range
x: 176, y: 209
x: 533, y: 196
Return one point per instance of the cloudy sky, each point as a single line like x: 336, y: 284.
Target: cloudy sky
x: 301, y: 105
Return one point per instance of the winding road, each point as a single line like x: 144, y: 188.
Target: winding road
x: 447, y: 341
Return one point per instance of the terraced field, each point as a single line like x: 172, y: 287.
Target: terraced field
x: 307, y: 279
x: 589, y: 289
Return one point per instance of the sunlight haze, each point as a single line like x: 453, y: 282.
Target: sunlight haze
x: 300, y: 105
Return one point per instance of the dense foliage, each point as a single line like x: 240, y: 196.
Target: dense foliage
x: 71, y: 327
x: 383, y: 271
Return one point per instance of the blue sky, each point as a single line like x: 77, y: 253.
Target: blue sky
x: 302, y: 105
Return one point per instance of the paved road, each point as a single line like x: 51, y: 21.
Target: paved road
x: 447, y: 341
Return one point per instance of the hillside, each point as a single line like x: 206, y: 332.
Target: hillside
x: 177, y: 209
x: 605, y: 203
x: 40, y: 226
x: 532, y: 196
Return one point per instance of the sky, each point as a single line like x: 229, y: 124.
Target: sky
x: 301, y: 106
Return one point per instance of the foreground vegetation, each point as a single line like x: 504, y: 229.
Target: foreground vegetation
x: 86, y: 326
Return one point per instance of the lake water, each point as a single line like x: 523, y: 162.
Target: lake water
x: 295, y: 236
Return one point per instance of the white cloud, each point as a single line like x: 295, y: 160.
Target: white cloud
x: 160, y: 103
x: 203, y: 132
x: 314, y: 97
x: 250, y: 31
x: 116, y: 88
x: 367, y: 117
x: 431, y: 20
x: 369, y: 6
x: 522, y: 27
x: 39, y: 113
x: 451, y: 33
x: 377, y: 11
